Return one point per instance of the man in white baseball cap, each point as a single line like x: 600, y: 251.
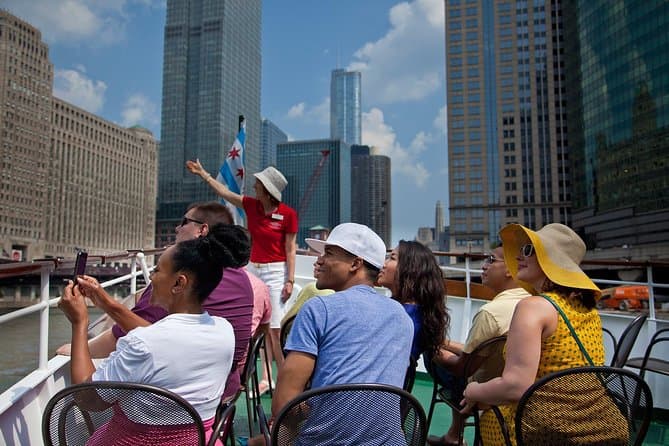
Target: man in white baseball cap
x: 352, y: 336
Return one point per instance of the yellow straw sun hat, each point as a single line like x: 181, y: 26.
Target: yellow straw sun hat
x: 559, y: 251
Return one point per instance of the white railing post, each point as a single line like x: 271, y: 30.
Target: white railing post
x: 142, y: 264
x: 651, y: 293
x: 44, y: 320
x: 133, y: 277
x: 467, y: 308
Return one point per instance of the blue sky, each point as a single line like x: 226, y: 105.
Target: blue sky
x: 107, y: 57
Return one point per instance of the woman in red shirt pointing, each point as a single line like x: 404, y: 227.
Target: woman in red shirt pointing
x: 273, y: 228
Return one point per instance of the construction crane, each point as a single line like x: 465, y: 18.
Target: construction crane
x: 313, y: 180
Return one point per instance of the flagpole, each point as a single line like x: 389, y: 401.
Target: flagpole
x: 239, y: 127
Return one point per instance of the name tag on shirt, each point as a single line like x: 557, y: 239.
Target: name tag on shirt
x: 277, y: 217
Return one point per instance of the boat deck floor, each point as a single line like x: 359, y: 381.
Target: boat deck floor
x: 658, y: 433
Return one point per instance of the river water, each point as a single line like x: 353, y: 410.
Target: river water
x: 19, y: 343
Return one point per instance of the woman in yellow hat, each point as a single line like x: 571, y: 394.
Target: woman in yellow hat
x: 540, y: 341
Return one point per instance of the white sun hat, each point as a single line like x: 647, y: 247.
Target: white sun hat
x: 273, y: 180
x: 356, y: 239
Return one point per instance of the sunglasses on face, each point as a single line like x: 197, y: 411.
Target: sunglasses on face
x: 186, y: 220
x: 527, y: 250
x: 491, y: 259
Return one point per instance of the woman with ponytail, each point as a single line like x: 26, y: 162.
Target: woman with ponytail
x: 188, y: 352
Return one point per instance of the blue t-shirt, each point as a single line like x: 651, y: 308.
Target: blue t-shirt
x: 357, y: 336
x: 413, y: 310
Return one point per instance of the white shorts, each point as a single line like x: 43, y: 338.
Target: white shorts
x: 274, y: 276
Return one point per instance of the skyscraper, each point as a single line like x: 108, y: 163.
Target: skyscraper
x: 211, y: 74
x: 26, y: 81
x: 370, y: 191
x: 345, y: 106
x: 321, y: 196
x: 439, y: 225
x: 270, y: 136
x: 68, y: 178
x: 507, y: 130
x: 619, y: 120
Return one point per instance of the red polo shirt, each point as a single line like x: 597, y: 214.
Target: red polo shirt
x: 268, y: 231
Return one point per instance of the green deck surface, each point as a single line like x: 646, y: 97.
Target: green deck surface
x: 658, y: 433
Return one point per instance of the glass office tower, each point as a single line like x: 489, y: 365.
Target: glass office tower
x: 211, y: 74
x: 619, y: 120
x: 270, y: 136
x: 507, y: 130
x: 345, y: 106
x: 371, y: 190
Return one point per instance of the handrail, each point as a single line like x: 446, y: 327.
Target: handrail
x: 647, y: 264
x: 139, y: 267
x: 47, y: 266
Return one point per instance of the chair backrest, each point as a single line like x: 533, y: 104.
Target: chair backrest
x: 486, y: 361
x: 223, y: 425
x: 251, y: 365
x: 285, y: 330
x: 104, y: 413
x: 585, y: 405
x: 351, y: 414
x: 264, y: 424
x: 627, y: 340
x: 410, y: 376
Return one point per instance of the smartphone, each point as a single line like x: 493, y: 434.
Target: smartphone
x: 79, y: 265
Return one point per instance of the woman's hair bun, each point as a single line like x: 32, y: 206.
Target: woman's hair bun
x: 227, y: 245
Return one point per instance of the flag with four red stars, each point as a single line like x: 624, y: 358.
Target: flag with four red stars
x: 231, y: 172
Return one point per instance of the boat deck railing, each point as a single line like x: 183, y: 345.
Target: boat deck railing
x: 469, y: 266
x: 46, y: 267
x: 472, y: 262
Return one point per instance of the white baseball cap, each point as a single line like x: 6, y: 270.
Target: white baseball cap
x: 355, y: 238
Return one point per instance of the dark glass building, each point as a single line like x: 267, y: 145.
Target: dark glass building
x: 211, y: 75
x: 618, y: 86
x: 370, y: 191
x: 320, y: 195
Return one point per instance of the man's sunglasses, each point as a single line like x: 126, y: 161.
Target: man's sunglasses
x: 527, y: 250
x: 492, y: 259
x: 186, y: 220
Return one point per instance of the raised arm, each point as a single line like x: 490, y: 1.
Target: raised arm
x: 195, y: 167
x: 122, y: 315
x: 73, y: 305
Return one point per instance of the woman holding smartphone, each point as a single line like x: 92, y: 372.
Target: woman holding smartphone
x: 188, y: 352
x: 273, y: 228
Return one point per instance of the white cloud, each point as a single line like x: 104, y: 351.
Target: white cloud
x: 407, y: 63
x: 376, y: 133
x: 420, y: 142
x: 441, y: 120
x: 76, y: 88
x: 93, y: 22
x: 138, y: 110
x: 296, y: 110
x: 318, y: 114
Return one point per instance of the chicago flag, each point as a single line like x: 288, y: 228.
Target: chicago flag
x: 231, y: 172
